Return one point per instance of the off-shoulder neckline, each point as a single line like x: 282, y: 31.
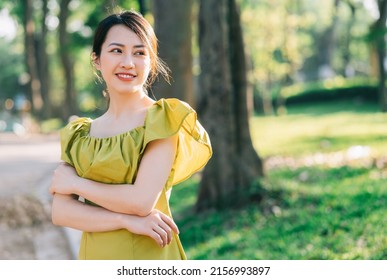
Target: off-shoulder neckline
x: 84, y: 123
x: 119, y: 135
x: 122, y: 134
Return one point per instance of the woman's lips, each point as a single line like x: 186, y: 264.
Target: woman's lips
x: 126, y: 76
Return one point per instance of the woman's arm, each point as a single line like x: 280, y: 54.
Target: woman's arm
x: 137, y: 199
x: 68, y: 212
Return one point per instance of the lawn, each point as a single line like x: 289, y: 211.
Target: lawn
x: 321, y: 128
x: 325, y: 191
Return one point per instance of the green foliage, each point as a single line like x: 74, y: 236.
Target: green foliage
x: 274, y: 39
x: 281, y: 38
x: 332, y: 89
x: 11, y: 61
x: 338, y: 82
x: 322, y: 209
x: 284, y: 41
x: 83, y: 19
x: 51, y: 125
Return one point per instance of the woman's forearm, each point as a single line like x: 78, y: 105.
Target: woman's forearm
x: 121, y: 198
x: 68, y: 212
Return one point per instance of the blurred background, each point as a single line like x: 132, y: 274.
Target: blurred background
x: 291, y: 92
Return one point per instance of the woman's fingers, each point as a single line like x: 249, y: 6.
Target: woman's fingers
x: 160, y: 235
x: 166, y: 232
x: 168, y: 225
x: 171, y: 224
x: 156, y: 236
x: 161, y: 227
x: 163, y: 234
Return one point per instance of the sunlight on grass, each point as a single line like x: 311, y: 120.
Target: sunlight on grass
x: 310, y: 211
x: 304, y: 133
x: 325, y: 217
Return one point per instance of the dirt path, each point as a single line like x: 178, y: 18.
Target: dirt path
x: 26, y: 232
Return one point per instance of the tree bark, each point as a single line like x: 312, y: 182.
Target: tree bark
x: 43, y: 65
x: 173, y: 30
x: 34, y: 86
x: 251, y: 161
x: 327, y: 45
x: 348, y: 70
x: 235, y: 165
x: 70, y: 105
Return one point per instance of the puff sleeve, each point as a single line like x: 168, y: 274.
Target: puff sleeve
x: 68, y: 135
x: 172, y: 116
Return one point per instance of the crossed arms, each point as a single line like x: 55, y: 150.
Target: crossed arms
x: 124, y: 206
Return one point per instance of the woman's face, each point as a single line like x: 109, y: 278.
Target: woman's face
x: 124, y: 61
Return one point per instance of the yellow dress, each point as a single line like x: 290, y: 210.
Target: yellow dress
x: 116, y: 159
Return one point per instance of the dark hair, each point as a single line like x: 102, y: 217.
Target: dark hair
x: 142, y: 28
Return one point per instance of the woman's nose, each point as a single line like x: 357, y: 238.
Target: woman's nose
x: 127, y: 62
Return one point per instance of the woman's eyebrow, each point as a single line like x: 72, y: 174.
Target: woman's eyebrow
x: 122, y: 45
x: 116, y: 44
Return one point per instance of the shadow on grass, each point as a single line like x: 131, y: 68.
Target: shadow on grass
x: 330, y: 214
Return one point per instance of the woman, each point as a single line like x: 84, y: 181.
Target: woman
x: 124, y: 163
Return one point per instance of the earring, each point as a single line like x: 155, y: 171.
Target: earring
x: 105, y: 93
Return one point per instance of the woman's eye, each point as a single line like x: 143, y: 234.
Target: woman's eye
x: 116, y: 51
x: 140, y: 53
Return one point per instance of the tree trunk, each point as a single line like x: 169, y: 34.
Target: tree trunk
x: 43, y: 65
x: 235, y: 165
x: 70, y: 105
x: 328, y: 41
x: 34, y: 86
x: 173, y: 30
x: 237, y: 56
x: 348, y: 70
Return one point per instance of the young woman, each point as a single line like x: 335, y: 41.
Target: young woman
x: 119, y: 168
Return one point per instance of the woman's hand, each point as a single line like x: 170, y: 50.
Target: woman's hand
x: 64, y: 179
x: 156, y: 225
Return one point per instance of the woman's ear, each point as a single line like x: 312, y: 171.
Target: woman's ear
x: 95, y: 60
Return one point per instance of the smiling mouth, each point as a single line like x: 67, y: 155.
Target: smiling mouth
x: 125, y: 76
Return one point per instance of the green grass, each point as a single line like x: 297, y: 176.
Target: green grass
x: 309, y: 212
x: 320, y: 128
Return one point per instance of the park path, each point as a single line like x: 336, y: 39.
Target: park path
x: 26, y: 231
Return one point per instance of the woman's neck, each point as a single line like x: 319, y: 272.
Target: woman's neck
x: 123, y: 104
